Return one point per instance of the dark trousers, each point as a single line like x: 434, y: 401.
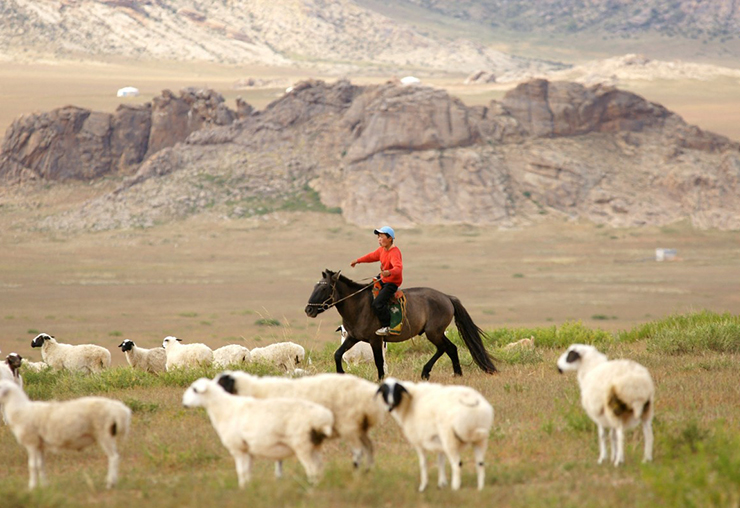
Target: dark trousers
x: 380, y: 303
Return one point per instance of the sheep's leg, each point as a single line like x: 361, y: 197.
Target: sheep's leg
x: 479, y: 450
x: 602, y: 444
x: 108, y: 444
x: 367, y: 448
x: 278, y: 469
x: 423, y: 468
x: 441, y: 474
x: 243, y: 468
x: 456, y: 465
x: 647, y: 432
x: 311, y: 463
x: 620, y: 447
x: 33, y: 467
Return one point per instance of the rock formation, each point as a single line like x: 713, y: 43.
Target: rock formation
x: 415, y: 155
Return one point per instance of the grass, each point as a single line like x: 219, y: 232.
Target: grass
x: 541, y: 440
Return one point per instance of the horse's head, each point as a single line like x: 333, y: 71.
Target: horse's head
x: 322, y: 296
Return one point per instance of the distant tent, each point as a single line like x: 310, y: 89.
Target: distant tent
x: 127, y: 91
x: 410, y: 80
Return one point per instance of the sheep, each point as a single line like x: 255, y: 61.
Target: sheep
x: 149, y: 360
x: 272, y: 428
x: 13, y: 363
x: 72, y: 424
x: 84, y: 357
x: 350, y: 399
x: 616, y: 394
x: 360, y: 352
x: 441, y: 418
x: 282, y: 354
x: 521, y: 344
x: 186, y: 355
x: 230, y: 355
x: 34, y: 366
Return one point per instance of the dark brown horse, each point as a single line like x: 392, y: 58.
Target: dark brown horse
x: 428, y: 311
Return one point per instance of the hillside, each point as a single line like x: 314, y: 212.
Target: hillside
x: 411, y: 154
x: 340, y: 36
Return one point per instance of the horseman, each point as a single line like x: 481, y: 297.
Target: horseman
x: 391, y: 274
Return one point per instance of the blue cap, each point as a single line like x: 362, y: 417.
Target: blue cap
x: 387, y: 230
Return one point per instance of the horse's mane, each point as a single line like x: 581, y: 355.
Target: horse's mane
x: 350, y: 283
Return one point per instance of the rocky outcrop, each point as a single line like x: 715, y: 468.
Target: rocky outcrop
x: 76, y: 143
x: 415, y: 155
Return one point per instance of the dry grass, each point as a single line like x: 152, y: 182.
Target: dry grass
x: 214, y: 281
x: 542, y: 449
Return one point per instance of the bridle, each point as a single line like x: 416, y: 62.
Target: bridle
x: 328, y: 303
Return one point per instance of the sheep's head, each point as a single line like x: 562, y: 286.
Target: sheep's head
x: 169, y: 341
x: 14, y: 361
x: 571, y: 359
x: 39, y: 340
x: 126, y: 345
x: 227, y: 382
x: 193, y: 396
x: 392, y: 392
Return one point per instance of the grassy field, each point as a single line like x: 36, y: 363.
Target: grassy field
x: 247, y: 281
x: 542, y: 448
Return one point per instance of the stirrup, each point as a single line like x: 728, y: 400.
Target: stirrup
x: 386, y: 330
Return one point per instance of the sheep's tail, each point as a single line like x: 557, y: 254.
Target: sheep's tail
x: 626, y: 403
x: 473, y: 337
x: 121, y: 423
x: 318, y: 435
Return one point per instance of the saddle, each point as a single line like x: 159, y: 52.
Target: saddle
x: 396, y: 306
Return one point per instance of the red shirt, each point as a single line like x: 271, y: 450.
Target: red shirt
x: 389, y: 260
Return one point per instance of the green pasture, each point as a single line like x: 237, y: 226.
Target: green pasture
x: 542, y: 448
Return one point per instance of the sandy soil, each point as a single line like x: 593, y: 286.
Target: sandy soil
x: 219, y: 281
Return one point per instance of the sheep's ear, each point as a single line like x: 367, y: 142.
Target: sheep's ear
x: 573, y: 356
x: 339, y: 328
x: 178, y: 340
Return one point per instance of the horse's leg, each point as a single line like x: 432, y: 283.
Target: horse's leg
x: 377, y: 344
x: 347, y: 344
x: 451, y: 350
x: 428, y: 366
x: 444, y: 345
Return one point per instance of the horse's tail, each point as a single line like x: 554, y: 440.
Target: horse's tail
x: 472, y: 335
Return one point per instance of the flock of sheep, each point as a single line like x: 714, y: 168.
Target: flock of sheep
x: 280, y: 417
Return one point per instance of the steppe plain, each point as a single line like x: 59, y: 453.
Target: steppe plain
x: 214, y: 280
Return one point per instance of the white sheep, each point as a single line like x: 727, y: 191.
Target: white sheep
x: 231, y: 354
x: 351, y: 400
x: 441, y: 419
x: 360, y: 352
x: 287, y: 355
x: 186, y: 355
x: 83, y: 357
x: 34, y: 366
x: 72, y: 424
x: 272, y: 428
x: 616, y: 394
x: 149, y: 360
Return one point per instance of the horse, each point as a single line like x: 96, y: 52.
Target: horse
x: 428, y: 312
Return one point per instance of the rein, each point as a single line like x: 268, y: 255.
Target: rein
x: 326, y: 306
